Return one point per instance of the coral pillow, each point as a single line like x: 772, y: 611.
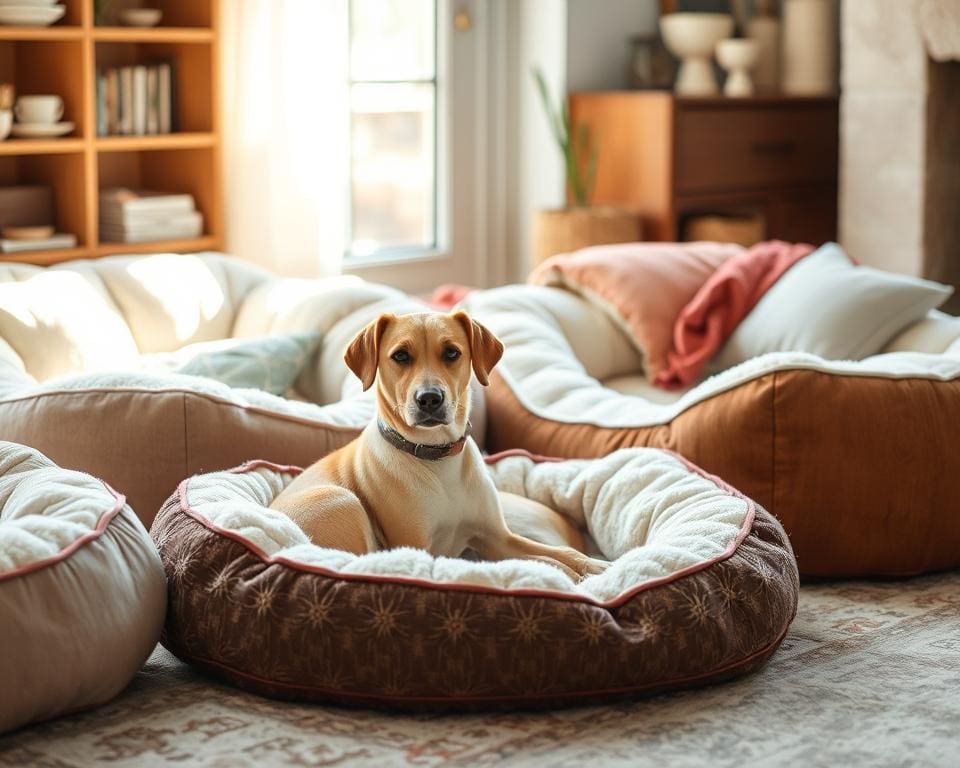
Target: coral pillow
x: 642, y: 286
x: 721, y: 303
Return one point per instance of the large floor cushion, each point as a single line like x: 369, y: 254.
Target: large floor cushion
x: 857, y: 459
x: 82, y: 592
x: 702, y: 587
x: 71, y: 385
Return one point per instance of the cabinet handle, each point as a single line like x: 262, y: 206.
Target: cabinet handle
x: 774, y: 147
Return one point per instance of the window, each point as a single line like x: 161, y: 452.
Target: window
x: 393, y: 127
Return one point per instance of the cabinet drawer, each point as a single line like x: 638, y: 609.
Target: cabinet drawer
x: 741, y: 147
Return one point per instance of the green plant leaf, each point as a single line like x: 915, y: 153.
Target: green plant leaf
x: 574, y: 143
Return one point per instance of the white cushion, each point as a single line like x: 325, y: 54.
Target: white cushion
x: 827, y: 306
x: 934, y: 335
x: 171, y: 300
x: 58, y: 321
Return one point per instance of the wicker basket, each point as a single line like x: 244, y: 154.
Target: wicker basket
x: 568, y: 229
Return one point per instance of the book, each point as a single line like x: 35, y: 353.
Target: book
x: 101, y: 104
x: 111, y: 103
x: 126, y: 101
x: 153, y: 105
x: 54, y: 242
x: 125, y: 201
x: 165, y: 96
x: 177, y: 221
x: 139, y: 101
x: 136, y: 100
x: 174, y: 95
x: 176, y: 227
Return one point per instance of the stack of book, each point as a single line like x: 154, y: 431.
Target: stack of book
x: 139, y: 216
x: 136, y: 101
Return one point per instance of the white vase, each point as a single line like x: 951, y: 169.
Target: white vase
x: 737, y: 56
x: 809, y: 55
x: 765, y: 31
x: 692, y: 38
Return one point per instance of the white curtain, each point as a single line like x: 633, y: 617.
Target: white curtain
x: 285, y: 132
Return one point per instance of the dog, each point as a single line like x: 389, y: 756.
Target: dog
x: 414, y: 477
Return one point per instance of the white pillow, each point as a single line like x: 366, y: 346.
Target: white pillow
x: 827, y: 306
x: 933, y: 335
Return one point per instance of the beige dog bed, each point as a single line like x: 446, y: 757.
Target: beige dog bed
x: 82, y: 594
x: 702, y: 587
x: 71, y: 382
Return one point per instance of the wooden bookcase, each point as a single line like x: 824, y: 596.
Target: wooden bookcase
x: 63, y: 59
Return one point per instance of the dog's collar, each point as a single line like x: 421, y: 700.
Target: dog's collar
x: 421, y: 450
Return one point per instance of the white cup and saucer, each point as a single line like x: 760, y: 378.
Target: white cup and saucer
x: 39, y: 117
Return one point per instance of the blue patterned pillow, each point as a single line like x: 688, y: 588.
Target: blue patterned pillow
x: 270, y: 363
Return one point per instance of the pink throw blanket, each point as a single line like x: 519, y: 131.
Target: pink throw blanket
x: 727, y: 296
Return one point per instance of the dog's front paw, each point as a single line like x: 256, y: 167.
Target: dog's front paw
x: 591, y: 566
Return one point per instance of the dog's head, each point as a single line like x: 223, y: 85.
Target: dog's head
x: 422, y: 365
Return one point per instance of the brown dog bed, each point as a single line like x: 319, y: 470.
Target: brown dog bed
x: 857, y: 459
x: 701, y: 588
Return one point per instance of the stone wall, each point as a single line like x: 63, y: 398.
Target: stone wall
x: 900, y: 137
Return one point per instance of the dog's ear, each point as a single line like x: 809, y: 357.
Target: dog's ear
x: 364, y: 351
x: 485, y: 348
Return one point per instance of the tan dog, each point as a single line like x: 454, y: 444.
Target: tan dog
x: 414, y: 477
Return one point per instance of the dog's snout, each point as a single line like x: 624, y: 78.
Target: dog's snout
x: 429, y: 399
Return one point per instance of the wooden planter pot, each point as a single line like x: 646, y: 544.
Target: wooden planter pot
x: 569, y: 229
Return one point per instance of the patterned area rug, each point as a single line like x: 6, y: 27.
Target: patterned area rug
x: 869, y: 675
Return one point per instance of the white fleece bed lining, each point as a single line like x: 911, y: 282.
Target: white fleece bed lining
x: 647, y: 511
x: 561, y: 390
x: 44, y: 509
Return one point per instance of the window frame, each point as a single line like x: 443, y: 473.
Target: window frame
x: 438, y: 247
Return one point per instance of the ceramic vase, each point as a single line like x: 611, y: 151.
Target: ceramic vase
x: 809, y: 57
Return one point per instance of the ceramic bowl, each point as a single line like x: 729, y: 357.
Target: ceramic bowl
x: 694, y: 34
x: 141, y: 17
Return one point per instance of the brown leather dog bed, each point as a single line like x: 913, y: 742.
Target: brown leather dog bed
x: 857, y: 459
x: 702, y: 587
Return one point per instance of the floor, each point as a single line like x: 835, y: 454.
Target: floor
x: 869, y: 675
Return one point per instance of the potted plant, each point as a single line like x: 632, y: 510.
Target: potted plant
x: 579, y: 224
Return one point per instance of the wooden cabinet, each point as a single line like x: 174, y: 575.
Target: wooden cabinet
x: 674, y: 158
x: 63, y: 59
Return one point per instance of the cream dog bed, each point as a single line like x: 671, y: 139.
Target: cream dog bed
x: 856, y: 459
x: 82, y: 593
x: 702, y: 587
x: 72, y: 338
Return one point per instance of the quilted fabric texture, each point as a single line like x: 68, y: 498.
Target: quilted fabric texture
x: 703, y: 588
x: 82, y: 594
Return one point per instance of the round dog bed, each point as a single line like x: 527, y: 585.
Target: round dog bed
x: 857, y: 459
x: 702, y: 587
x: 82, y: 593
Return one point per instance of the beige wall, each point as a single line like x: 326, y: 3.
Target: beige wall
x: 882, y: 126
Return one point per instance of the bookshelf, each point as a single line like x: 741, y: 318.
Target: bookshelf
x: 64, y: 59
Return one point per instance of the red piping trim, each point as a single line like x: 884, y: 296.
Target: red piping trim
x: 766, y: 650
x: 619, y: 600
x: 64, y: 553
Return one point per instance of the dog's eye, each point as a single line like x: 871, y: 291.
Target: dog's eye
x: 401, y: 356
x: 451, y: 353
